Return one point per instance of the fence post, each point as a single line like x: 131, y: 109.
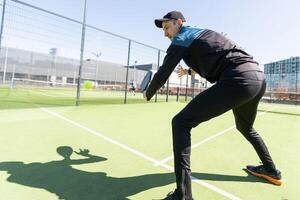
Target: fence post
x: 1, y: 33
x: 5, y: 65
x: 81, y: 54
x: 186, y: 86
x: 158, y: 60
x: 127, y: 71
x: 13, y: 76
x: 297, y: 71
x: 271, y: 87
x: 2, y: 23
x: 193, y: 85
x: 177, y: 94
x: 167, y: 95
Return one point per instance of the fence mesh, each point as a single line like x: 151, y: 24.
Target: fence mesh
x: 42, y: 49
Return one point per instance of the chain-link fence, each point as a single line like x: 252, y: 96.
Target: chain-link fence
x: 41, y: 49
x: 283, y: 81
x: 41, y: 52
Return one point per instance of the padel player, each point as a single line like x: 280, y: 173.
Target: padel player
x: 239, y: 86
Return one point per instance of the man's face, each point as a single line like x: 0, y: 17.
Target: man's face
x: 171, y: 28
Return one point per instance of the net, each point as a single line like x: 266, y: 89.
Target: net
x: 54, y: 85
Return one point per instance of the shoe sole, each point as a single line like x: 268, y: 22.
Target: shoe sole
x: 268, y: 178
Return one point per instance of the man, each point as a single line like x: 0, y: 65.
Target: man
x: 239, y: 85
x: 132, y: 87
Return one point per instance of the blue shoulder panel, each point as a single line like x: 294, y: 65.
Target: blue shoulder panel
x: 186, y: 36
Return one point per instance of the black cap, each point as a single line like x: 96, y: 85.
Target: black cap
x: 170, y: 15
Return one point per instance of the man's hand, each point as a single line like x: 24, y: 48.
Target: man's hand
x: 181, y: 72
x: 83, y: 152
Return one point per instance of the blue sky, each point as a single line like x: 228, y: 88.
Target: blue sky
x: 268, y: 29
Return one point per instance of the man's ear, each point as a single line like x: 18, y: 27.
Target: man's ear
x: 179, y: 22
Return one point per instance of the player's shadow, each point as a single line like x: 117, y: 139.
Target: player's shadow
x: 228, y: 178
x: 68, y: 183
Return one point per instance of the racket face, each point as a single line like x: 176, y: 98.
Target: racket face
x: 146, y: 81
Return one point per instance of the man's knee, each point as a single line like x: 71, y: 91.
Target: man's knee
x: 181, y: 121
x: 248, y: 131
x: 240, y: 127
x: 178, y: 120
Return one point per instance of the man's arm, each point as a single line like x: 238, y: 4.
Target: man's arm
x: 89, y: 158
x: 174, y: 55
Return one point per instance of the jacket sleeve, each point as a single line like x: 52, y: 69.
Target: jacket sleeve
x: 174, y: 54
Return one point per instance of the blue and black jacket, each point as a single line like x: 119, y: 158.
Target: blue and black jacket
x: 205, y: 51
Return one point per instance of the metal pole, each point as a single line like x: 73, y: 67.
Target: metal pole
x: 74, y: 77
x: 297, y: 69
x: 53, y: 65
x: 158, y: 62
x: 81, y: 54
x: 193, y: 85
x: 127, y: 70
x: 186, y: 86
x: 270, y: 87
x: 13, y: 77
x: 180, y: 85
x: 167, y: 97
x: 177, y: 94
x: 97, y: 55
x: 5, y: 66
x: 96, y: 75
x: 2, y: 23
x: 135, y: 62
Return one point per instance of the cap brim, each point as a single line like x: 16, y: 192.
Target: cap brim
x: 158, y: 22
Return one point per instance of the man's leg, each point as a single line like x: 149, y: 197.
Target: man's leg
x: 211, y: 103
x: 244, y: 118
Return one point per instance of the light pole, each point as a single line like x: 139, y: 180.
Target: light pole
x: 97, y: 55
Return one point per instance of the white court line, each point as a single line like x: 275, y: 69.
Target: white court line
x: 198, y: 181
x: 42, y: 93
x: 59, y: 95
x: 203, y: 142
x: 37, y: 92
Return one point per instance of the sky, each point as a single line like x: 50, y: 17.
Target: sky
x: 268, y: 29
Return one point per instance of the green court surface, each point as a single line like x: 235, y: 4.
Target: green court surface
x: 24, y: 97
x: 130, y: 147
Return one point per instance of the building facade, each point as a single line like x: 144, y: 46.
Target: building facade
x: 283, y: 75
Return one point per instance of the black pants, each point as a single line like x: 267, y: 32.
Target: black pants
x: 239, y: 91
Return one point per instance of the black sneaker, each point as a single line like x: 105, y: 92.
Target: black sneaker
x: 271, y: 176
x: 172, y: 196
